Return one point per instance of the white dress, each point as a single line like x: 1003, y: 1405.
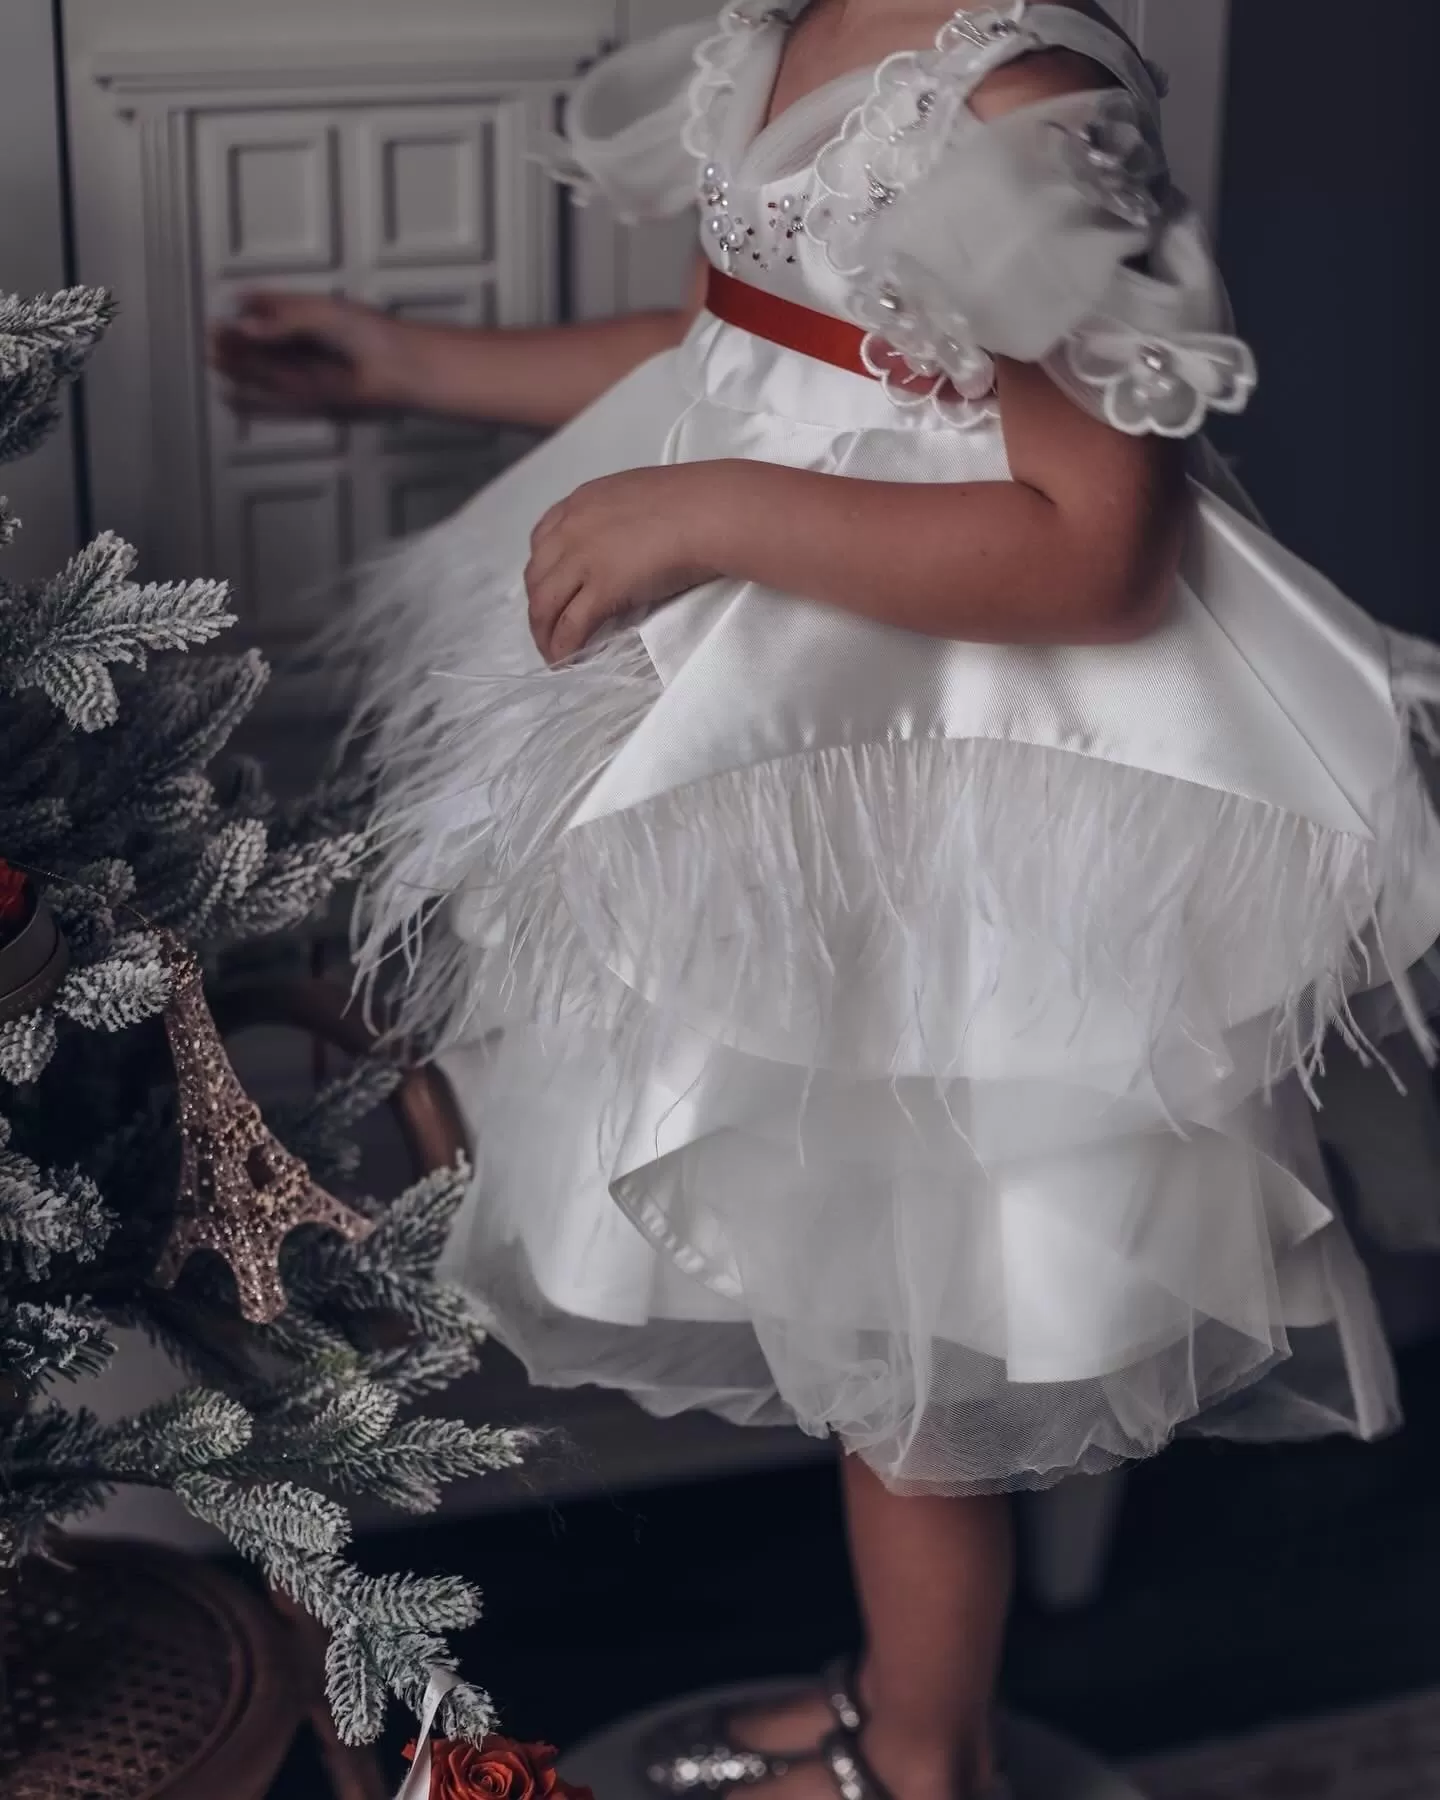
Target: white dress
x: 912, y: 1039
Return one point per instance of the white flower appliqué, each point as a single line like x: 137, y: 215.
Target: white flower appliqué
x: 1163, y: 385
x: 921, y: 349
x: 979, y: 32
x: 894, y: 138
x: 917, y: 344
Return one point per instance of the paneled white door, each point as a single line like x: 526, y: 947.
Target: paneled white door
x: 397, y: 176
x: 428, y: 211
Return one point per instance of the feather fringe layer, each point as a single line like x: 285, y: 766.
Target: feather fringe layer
x: 891, y: 909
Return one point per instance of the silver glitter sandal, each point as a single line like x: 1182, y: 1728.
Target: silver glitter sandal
x: 855, y: 1780
x: 694, y: 1753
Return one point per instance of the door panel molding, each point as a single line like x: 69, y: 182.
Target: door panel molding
x: 402, y: 177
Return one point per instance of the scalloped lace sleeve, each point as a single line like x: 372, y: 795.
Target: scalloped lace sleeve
x: 1050, y: 235
x: 626, y: 125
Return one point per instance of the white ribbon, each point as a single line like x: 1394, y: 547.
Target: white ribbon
x: 416, y: 1785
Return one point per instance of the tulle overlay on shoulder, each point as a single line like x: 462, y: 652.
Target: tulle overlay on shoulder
x: 914, y: 1041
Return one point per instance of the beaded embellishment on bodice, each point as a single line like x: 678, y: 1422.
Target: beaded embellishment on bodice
x: 728, y: 130
x: 841, y: 155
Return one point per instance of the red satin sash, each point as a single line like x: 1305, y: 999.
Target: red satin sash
x: 786, y: 322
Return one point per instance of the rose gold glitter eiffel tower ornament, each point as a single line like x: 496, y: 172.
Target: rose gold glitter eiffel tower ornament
x: 241, y: 1191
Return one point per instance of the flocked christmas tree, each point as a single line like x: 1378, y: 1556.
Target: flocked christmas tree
x: 137, y: 832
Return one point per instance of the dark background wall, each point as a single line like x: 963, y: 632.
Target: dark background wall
x: 1328, y: 238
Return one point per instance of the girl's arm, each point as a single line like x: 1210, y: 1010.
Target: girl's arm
x: 306, y: 354
x: 1082, y: 547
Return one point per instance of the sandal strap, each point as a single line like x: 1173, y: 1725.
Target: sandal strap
x: 694, y: 1754
x: 853, y: 1777
x: 842, y: 1694
x: 715, y: 1769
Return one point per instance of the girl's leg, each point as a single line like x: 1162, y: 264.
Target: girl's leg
x: 934, y: 1579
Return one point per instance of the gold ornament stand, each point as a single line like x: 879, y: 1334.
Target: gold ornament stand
x: 1039, y: 1765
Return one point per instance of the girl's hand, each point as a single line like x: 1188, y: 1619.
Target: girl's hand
x: 309, y: 355
x: 623, y: 544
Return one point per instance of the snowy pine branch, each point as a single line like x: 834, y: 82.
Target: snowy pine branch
x: 64, y: 637
x: 39, y: 1344
x: 47, y: 1214
x: 280, y: 1512
x: 191, y: 1431
x: 385, y: 1630
x: 421, y: 1369
x: 174, y: 726
x: 287, y: 887
x: 113, y: 734
x: 117, y: 993
x: 412, y: 1466
x: 57, y: 330
x: 322, y: 1130
x: 43, y: 346
x: 26, y: 1046
x: 393, y: 1270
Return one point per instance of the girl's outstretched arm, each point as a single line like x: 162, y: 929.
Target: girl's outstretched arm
x: 301, y: 355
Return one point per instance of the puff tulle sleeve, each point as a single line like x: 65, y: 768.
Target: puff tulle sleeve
x: 625, y: 127
x: 1050, y: 235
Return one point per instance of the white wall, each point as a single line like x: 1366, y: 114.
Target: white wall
x: 1189, y: 39
x: 92, y: 23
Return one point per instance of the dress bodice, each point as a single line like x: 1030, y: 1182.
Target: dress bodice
x: 1052, y: 234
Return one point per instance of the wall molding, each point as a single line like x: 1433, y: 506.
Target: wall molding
x: 161, y: 73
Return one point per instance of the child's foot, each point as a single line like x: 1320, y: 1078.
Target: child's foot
x: 873, y: 1772
x: 754, y: 1748
x: 799, y: 1724
x: 775, y: 1753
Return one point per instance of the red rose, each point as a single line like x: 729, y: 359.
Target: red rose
x: 498, y: 1769
x: 12, y: 895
